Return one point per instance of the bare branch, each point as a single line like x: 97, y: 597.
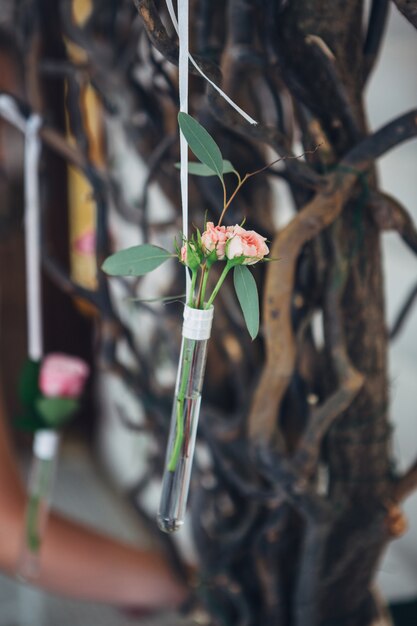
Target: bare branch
x: 409, y: 9
x: 406, y: 484
x: 349, y: 380
x: 374, y: 35
x: 389, y: 214
x: 403, y: 313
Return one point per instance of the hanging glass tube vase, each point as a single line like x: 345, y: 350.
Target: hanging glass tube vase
x: 184, y: 418
x: 40, y: 487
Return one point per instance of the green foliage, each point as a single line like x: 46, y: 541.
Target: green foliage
x: 56, y: 411
x: 30, y: 422
x: 201, y: 143
x: 136, y: 261
x: 28, y: 383
x: 200, y: 169
x: 247, y: 293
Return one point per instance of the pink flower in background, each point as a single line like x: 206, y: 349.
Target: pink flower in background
x: 86, y: 243
x: 63, y: 376
x: 215, y: 238
x: 246, y: 243
x: 183, y: 254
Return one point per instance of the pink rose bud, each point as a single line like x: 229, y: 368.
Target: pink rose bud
x: 215, y: 238
x: 183, y: 255
x: 246, y: 243
x: 63, y: 376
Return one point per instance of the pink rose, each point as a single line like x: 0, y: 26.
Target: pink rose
x: 63, y: 376
x: 215, y: 238
x: 189, y: 255
x: 246, y: 243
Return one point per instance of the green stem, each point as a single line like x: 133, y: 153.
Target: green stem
x: 36, y: 499
x: 204, y: 285
x: 220, y: 282
x: 193, y: 283
x: 203, y: 272
x: 179, y: 434
x: 228, y: 202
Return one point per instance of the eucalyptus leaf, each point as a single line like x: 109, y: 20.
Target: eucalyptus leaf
x: 247, y: 293
x: 228, y: 167
x: 200, y: 169
x: 56, y: 411
x: 135, y: 261
x: 201, y: 143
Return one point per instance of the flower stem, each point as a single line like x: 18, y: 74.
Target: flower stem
x: 204, y: 285
x: 220, y: 282
x: 200, y: 288
x: 193, y: 283
x: 227, y: 204
x: 179, y: 434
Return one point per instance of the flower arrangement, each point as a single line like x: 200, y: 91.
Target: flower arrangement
x: 50, y: 392
x: 233, y: 247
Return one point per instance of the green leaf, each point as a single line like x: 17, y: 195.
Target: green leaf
x: 30, y: 422
x: 135, y: 261
x: 28, y: 383
x: 200, y: 169
x: 247, y: 293
x: 228, y: 167
x: 57, y: 411
x: 201, y: 143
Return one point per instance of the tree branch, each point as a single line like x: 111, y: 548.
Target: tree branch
x: 409, y: 9
x: 405, y: 310
x: 389, y: 214
x: 374, y: 35
x: 349, y: 380
x: 307, y: 224
x: 406, y: 484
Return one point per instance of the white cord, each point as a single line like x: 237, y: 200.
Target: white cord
x: 30, y: 128
x: 237, y: 108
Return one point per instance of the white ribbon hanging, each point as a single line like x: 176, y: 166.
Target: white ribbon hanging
x: 32, y: 229
x: 182, y: 28
x: 30, y: 127
x: 183, y: 14
x: 183, y: 8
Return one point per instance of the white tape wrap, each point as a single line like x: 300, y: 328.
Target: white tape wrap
x: 45, y: 445
x: 197, y: 323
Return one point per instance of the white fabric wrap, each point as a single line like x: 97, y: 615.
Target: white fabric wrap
x: 45, y: 445
x: 197, y: 323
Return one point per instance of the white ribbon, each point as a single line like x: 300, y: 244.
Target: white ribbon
x: 30, y: 127
x: 32, y: 240
x: 181, y: 8
x: 183, y: 13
